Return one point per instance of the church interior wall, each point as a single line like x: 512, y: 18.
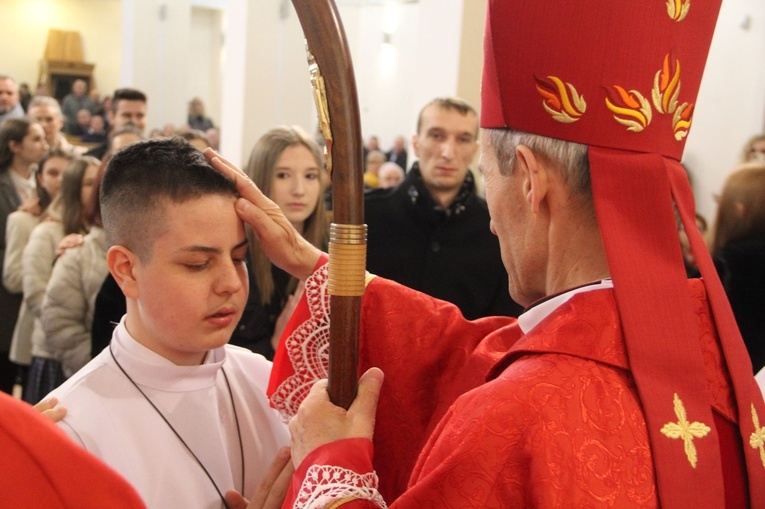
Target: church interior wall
x: 246, y: 60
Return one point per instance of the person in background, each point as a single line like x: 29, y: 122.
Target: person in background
x: 286, y: 164
x: 65, y: 217
x: 128, y: 106
x: 82, y: 123
x: 73, y: 102
x: 25, y: 95
x: 197, y: 118
x: 431, y: 232
x: 10, y: 106
x: 754, y: 150
x: 397, y: 154
x: 738, y: 247
x: 391, y: 175
x: 96, y: 130
x: 47, y: 112
x: 67, y: 309
x: 18, y: 230
x: 373, y: 162
x: 22, y: 145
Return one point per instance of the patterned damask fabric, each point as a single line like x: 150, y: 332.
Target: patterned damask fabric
x: 399, y: 328
x: 558, y: 424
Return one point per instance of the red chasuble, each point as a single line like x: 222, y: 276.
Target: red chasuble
x: 491, y: 418
x: 42, y: 467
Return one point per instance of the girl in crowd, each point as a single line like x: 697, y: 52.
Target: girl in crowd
x: 67, y: 311
x: 64, y: 217
x: 22, y: 145
x: 754, y: 150
x: 286, y: 165
x: 738, y: 248
x: 18, y: 229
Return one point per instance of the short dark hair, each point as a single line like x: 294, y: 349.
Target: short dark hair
x: 126, y: 94
x: 449, y: 103
x: 143, y: 178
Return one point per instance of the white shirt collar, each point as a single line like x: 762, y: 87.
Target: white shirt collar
x: 148, y: 368
x: 531, y: 318
x: 25, y: 187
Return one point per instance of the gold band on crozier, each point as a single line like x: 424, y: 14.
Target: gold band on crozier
x: 347, y: 259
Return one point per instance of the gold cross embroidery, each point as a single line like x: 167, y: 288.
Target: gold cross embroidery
x: 685, y: 430
x: 757, y: 439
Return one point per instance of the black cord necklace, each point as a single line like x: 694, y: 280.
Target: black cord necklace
x: 199, y: 462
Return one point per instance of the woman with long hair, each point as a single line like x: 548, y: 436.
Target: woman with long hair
x: 65, y: 216
x: 738, y: 248
x: 68, y: 307
x: 286, y: 165
x: 22, y: 145
x: 18, y: 229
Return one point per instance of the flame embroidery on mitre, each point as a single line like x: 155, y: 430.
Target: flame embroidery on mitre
x: 681, y: 120
x: 666, y: 87
x: 629, y: 108
x: 678, y: 9
x: 561, y: 100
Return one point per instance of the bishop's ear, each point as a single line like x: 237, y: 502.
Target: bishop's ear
x: 535, y: 176
x: 122, y: 264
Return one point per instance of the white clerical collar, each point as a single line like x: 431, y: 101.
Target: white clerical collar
x: 150, y: 369
x: 531, y: 318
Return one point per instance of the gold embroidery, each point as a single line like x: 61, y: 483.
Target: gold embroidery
x: 561, y: 100
x: 678, y: 9
x: 633, y: 106
x: 757, y: 439
x: 685, y: 430
x: 681, y: 120
x: 666, y: 87
x: 342, y: 501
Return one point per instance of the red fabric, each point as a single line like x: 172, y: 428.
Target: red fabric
x: 282, y: 368
x: 748, y: 393
x: 353, y: 454
x: 597, y: 48
x: 43, y: 468
x: 559, y: 423
x: 398, y: 326
x: 657, y: 316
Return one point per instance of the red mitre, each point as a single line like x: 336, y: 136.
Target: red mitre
x: 622, y: 77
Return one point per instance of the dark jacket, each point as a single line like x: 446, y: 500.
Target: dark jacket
x: 9, y: 302
x: 449, y: 254
x: 400, y: 158
x: 741, y: 265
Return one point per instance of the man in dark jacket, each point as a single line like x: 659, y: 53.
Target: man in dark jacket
x: 431, y: 232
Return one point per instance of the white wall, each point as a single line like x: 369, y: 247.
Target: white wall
x: 25, y: 33
x: 731, y: 101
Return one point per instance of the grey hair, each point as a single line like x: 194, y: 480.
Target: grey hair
x: 569, y: 158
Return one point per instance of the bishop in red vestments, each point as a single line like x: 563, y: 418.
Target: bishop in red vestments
x: 623, y: 384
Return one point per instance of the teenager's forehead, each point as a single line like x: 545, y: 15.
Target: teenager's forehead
x: 206, y: 218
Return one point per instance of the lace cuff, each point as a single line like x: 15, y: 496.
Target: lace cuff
x: 306, y: 348
x: 329, y: 485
